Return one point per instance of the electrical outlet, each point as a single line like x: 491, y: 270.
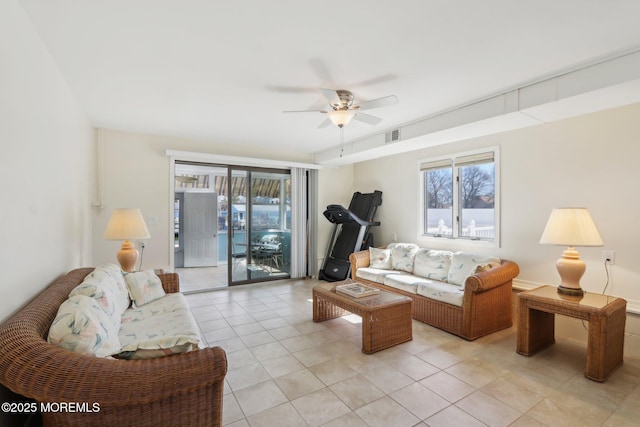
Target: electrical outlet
x: 609, y: 256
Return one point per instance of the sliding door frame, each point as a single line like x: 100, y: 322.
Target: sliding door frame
x: 249, y: 226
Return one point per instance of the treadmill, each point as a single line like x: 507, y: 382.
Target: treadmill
x: 350, y: 233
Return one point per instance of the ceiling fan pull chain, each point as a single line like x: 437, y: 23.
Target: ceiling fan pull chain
x: 341, y: 140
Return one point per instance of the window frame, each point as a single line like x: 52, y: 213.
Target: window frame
x: 456, y: 195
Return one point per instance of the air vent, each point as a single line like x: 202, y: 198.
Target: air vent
x: 392, y: 136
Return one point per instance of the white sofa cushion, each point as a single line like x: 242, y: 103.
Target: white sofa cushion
x: 440, y: 291
x: 82, y: 326
x: 380, y: 258
x: 464, y: 264
x: 144, y: 287
x: 406, y: 282
x: 106, y: 295
x: 110, y: 275
x: 163, y: 323
x: 402, y: 256
x: 142, y: 353
x: 432, y: 264
x: 115, y: 272
x: 374, y: 274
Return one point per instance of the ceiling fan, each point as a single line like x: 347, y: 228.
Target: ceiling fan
x: 342, y: 109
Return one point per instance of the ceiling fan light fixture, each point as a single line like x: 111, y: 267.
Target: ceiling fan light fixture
x: 341, y: 118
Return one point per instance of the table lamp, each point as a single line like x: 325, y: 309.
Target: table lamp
x: 570, y: 227
x: 127, y: 225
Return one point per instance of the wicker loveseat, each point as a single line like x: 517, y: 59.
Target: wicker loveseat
x: 179, y: 390
x: 479, y: 305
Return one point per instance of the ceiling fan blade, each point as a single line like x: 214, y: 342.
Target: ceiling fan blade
x: 306, y: 111
x: 324, y: 124
x: 332, y: 96
x: 377, y: 103
x: 367, y: 118
x: 292, y: 89
x: 320, y: 69
x: 375, y: 80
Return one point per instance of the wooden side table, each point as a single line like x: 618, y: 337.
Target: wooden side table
x: 606, y: 315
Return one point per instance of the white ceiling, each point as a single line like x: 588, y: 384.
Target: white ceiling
x: 225, y: 71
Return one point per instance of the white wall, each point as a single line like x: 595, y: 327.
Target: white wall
x: 589, y: 161
x: 47, y: 155
x: 137, y: 174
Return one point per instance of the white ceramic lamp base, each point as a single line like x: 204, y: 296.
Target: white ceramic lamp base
x: 571, y: 268
x: 127, y: 257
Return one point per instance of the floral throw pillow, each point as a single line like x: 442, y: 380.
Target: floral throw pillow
x: 464, y: 264
x: 144, y: 287
x: 380, y: 258
x: 82, y: 326
x: 402, y: 255
x: 432, y: 264
x: 105, y: 295
x: 110, y: 275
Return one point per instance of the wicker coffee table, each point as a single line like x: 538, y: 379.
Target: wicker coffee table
x: 386, y: 317
x: 606, y: 316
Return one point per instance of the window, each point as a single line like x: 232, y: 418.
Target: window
x: 459, y: 196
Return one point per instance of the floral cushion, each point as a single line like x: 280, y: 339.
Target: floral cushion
x: 143, y: 353
x: 164, y: 323
x: 440, y: 291
x: 464, y: 264
x: 144, y: 287
x: 380, y: 258
x: 105, y: 294
x: 432, y: 264
x: 117, y: 274
x: 405, y: 282
x: 402, y: 255
x: 82, y: 326
x: 111, y: 275
x: 374, y: 274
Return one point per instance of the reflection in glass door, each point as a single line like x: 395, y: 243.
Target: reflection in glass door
x: 259, y: 224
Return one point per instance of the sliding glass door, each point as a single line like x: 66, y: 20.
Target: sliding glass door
x: 259, y: 221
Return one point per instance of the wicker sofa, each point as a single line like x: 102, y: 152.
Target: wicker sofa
x: 179, y: 390
x: 478, y: 305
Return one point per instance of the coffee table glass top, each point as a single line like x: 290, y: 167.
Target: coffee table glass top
x: 588, y: 299
x: 381, y: 299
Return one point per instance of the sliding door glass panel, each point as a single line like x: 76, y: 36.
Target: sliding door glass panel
x: 261, y: 214
x: 240, y: 253
x: 270, y: 222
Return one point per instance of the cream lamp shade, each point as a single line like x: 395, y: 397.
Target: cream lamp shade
x: 341, y: 118
x: 127, y: 225
x: 570, y: 227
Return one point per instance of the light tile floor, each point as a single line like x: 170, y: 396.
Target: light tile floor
x: 286, y: 370
x: 199, y: 279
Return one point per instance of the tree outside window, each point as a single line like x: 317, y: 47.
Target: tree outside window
x: 460, y: 196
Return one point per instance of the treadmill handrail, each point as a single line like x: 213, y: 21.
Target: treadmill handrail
x: 338, y: 214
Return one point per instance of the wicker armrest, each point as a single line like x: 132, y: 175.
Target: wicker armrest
x: 50, y: 373
x: 358, y: 260
x: 170, y: 282
x: 497, y: 276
